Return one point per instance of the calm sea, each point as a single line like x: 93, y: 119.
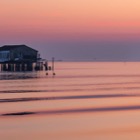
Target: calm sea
x: 84, y: 101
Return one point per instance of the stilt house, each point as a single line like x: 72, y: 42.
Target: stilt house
x: 17, y: 54
x: 19, y: 58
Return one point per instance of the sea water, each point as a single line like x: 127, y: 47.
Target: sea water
x: 83, y: 101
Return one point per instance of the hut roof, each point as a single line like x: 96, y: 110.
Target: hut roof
x: 10, y: 47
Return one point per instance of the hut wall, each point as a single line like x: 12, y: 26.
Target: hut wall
x: 4, y: 56
x: 23, y: 53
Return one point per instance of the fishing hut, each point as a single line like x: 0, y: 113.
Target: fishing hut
x: 19, y: 58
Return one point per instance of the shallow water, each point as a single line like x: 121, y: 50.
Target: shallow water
x: 85, y: 100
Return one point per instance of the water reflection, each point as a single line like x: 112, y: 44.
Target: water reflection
x: 17, y: 75
x: 83, y: 101
x: 68, y: 97
x: 78, y: 110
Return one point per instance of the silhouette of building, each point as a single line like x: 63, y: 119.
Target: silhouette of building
x: 19, y: 58
x: 17, y: 54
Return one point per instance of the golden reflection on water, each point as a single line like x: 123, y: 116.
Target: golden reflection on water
x: 84, y: 101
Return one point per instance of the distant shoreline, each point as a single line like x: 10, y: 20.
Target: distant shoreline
x: 90, y: 61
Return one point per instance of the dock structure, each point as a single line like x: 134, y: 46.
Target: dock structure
x: 20, y: 58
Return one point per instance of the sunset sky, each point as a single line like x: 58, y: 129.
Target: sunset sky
x: 73, y: 29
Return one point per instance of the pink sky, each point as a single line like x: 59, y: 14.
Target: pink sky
x: 65, y: 18
x: 32, y: 21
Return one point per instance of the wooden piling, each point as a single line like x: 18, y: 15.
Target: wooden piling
x: 24, y: 66
x: 53, y: 66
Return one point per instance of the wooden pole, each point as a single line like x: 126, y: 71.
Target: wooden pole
x: 53, y: 59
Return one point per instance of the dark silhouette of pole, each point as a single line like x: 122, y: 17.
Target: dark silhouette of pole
x: 46, y: 67
x: 53, y: 59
